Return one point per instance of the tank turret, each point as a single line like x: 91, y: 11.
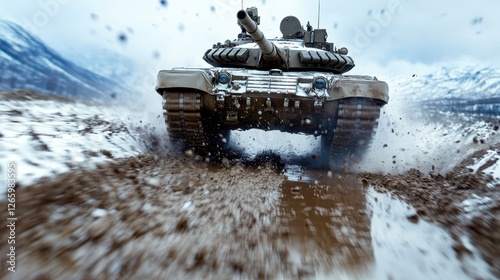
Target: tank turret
x: 294, y: 83
x: 297, y: 50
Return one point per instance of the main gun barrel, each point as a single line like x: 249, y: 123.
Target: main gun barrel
x: 269, y: 50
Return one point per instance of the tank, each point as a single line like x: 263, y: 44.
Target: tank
x: 295, y: 84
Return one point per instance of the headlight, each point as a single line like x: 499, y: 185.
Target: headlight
x: 223, y: 78
x: 319, y: 83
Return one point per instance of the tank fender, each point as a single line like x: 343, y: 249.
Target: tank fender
x: 344, y: 88
x: 195, y: 79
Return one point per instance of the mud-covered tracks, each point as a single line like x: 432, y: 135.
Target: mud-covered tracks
x: 183, y: 117
x: 356, y: 123
x: 182, y: 112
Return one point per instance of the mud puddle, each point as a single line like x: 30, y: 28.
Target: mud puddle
x: 334, y: 226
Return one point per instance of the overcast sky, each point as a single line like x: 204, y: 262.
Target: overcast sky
x: 383, y: 36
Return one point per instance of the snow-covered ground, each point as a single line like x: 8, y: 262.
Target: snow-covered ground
x: 422, y: 249
x: 50, y: 135
x: 488, y: 164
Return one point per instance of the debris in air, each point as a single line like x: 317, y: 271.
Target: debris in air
x: 477, y: 20
x: 98, y: 213
x: 180, y: 27
x: 122, y: 38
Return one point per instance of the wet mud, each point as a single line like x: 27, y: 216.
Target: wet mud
x: 163, y: 215
x: 178, y: 218
x: 324, y: 223
x: 147, y: 217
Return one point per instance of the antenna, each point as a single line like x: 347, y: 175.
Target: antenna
x: 319, y: 11
x: 242, y: 4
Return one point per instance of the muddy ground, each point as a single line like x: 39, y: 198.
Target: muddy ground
x: 175, y: 216
x: 439, y: 198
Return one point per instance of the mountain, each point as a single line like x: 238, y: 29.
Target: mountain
x: 467, y: 89
x: 105, y: 63
x: 26, y: 62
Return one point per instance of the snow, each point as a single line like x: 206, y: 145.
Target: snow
x: 5, y: 56
x: 474, y: 205
x: 29, y: 63
x: 48, y: 137
x: 255, y: 141
x: 154, y: 182
x: 99, y: 213
x: 14, y: 35
x: 188, y: 206
x: 423, y: 249
x: 491, y: 157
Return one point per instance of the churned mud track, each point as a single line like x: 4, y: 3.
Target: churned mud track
x: 148, y: 217
x: 178, y: 218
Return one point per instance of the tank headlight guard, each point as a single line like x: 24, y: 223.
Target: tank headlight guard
x: 319, y: 83
x: 223, y: 78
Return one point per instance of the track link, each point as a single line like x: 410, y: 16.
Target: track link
x: 182, y: 112
x: 357, y: 120
x: 351, y: 133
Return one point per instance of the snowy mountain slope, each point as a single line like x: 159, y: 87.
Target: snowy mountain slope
x: 26, y: 62
x: 468, y: 89
x: 105, y: 62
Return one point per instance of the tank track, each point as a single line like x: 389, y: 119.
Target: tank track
x: 352, y: 128
x: 182, y: 112
x: 357, y: 120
